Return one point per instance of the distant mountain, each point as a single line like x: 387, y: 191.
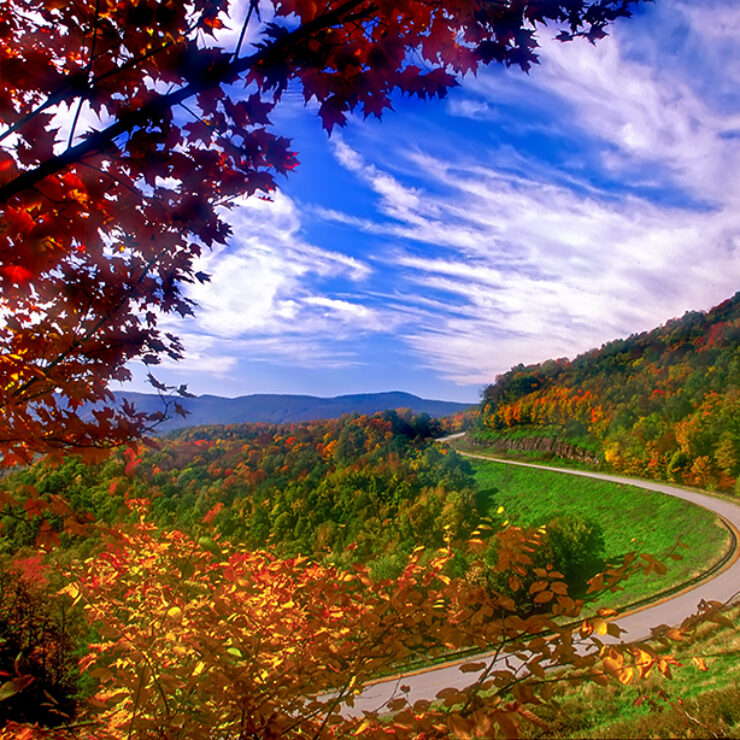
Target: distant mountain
x: 278, y: 409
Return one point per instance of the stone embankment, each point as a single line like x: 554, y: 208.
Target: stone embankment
x: 544, y: 445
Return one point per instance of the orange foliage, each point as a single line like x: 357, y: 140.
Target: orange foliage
x: 197, y: 636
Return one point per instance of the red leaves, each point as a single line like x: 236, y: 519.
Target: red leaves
x: 34, y: 506
x: 248, y: 112
x: 132, y: 460
x: 333, y: 112
x: 212, y: 513
x: 7, y: 500
x: 17, y: 274
x: 46, y: 538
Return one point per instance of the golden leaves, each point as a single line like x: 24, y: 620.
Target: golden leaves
x: 543, y: 597
x: 600, y: 626
x: 475, y: 667
x: 250, y: 629
x: 73, y: 591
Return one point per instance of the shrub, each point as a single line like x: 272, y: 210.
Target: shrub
x: 36, y: 649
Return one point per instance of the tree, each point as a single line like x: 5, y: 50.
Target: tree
x: 128, y: 128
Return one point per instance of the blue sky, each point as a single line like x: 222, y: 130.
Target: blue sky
x: 521, y: 218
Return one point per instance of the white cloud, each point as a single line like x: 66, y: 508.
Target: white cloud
x: 549, y: 264
x: 398, y: 201
x: 649, y: 114
x: 361, y: 317
x: 262, y: 281
x: 267, y: 300
x: 302, y: 351
x: 205, y: 354
x: 553, y: 272
x: 470, y: 108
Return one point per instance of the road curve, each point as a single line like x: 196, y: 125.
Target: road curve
x: 723, y: 586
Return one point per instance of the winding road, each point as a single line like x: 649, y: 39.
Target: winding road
x: 722, y: 585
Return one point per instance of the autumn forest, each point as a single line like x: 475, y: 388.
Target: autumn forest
x: 663, y: 404
x: 377, y: 575
x: 363, y: 501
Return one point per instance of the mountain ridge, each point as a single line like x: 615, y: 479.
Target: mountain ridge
x: 278, y: 408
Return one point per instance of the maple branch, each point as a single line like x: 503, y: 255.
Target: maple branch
x: 90, y: 331
x: 104, y: 320
x: 214, y: 76
x: 76, y: 87
x: 87, y: 72
x: 252, y: 6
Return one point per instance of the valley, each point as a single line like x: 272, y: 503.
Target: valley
x: 324, y: 556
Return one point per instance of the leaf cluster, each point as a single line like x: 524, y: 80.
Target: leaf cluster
x: 220, y: 641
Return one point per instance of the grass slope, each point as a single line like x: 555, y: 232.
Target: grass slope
x: 631, y: 518
x: 699, y: 703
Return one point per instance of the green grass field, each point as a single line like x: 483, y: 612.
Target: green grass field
x: 632, y: 519
x: 699, y: 703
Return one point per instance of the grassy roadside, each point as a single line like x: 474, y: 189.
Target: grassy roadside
x: 632, y: 518
x: 698, y: 703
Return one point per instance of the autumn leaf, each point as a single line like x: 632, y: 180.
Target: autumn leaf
x: 475, y: 667
x: 13, y: 686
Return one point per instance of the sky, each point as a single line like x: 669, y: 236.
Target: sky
x: 521, y: 218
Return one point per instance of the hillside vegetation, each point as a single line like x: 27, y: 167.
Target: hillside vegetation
x: 360, y: 489
x: 291, y: 552
x: 373, y: 484
x: 662, y: 404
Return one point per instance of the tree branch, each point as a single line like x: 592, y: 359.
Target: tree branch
x: 87, y: 72
x: 217, y: 74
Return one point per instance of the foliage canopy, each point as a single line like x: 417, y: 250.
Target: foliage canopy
x: 663, y: 403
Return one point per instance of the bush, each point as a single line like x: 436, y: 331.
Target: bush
x: 36, y: 650
x: 575, y: 546
x: 570, y: 545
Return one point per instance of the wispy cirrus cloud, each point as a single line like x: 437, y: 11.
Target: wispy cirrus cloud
x: 264, y: 280
x: 535, y: 260
x: 525, y: 217
x: 274, y: 296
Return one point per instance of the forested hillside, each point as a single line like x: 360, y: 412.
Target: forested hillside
x: 290, y: 552
x: 360, y: 489
x: 663, y: 404
x: 375, y: 483
x: 322, y: 524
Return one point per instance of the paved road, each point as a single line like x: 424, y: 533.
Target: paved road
x: 722, y: 587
